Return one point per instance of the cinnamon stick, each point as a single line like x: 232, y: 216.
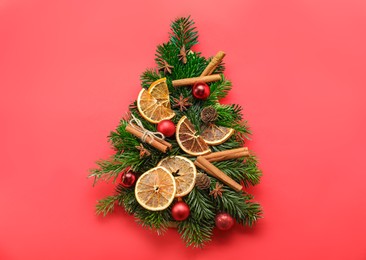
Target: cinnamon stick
x: 191, y: 81
x: 213, y: 63
x: 162, y: 141
x: 215, y: 172
x: 199, y: 165
x: 155, y: 142
x: 227, y: 155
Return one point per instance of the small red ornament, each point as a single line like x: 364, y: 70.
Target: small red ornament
x: 180, y: 211
x: 128, y: 179
x: 224, y: 221
x: 200, y: 90
x: 166, y: 127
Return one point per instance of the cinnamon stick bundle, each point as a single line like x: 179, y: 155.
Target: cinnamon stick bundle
x: 211, y: 169
x: 158, y: 143
x: 213, y: 63
x: 191, y: 81
x: 227, y: 155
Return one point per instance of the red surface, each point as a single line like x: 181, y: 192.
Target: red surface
x: 68, y: 70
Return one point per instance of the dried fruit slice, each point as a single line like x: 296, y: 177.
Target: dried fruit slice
x: 188, y: 140
x: 184, y: 172
x: 150, y: 108
x: 155, y: 189
x: 159, y: 90
x: 215, y: 135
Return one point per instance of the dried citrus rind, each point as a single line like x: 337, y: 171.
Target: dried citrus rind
x: 215, y: 135
x: 184, y: 172
x: 188, y: 139
x: 155, y: 189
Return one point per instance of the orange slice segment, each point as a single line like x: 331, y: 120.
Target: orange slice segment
x: 184, y: 172
x: 215, y: 135
x: 150, y: 108
x: 188, y: 139
x: 155, y: 189
x: 159, y: 90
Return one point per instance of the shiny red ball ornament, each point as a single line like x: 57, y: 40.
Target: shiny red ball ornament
x: 224, y: 221
x: 128, y: 179
x: 201, y: 90
x: 180, y: 211
x: 166, y: 127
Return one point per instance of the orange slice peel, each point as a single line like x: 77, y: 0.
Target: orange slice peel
x: 184, y: 172
x: 215, y: 135
x: 155, y: 189
x: 153, y: 104
x: 188, y: 139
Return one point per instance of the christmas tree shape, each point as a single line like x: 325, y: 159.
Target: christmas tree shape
x: 180, y: 158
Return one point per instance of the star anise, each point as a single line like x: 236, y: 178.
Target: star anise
x: 182, y: 103
x: 217, y: 191
x: 143, y: 151
x: 183, y: 54
x: 164, y: 65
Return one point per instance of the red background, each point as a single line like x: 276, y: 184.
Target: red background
x: 68, y: 70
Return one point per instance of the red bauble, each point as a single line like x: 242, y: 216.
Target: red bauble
x: 201, y: 90
x: 166, y: 127
x: 128, y: 179
x: 180, y: 211
x: 224, y: 221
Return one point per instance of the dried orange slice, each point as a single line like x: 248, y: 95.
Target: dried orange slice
x: 215, y: 135
x: 155, y: 189
x: 159, y: 90
x: 152, y: 109
x: 188, y: 139
x: 184, y: 172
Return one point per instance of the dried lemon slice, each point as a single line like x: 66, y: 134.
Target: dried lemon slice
x: 184, y: 172
x: 215, y: 135
x: 155, y: 189
x: 188, y: 140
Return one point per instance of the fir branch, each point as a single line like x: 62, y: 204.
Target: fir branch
x: 231, y: 143
x: 126, y: 198
x: 201, y: 205
x: 193, y: 68
x: 168, y: 53
x: 197, y: 229
x: 194, y: 116
x: 157, y: 221
x: 245, y: 212
x: 231, y: 116
x: 251, y: 172
x: 183, y: 33
x: 219, y: 90
x: 253, y: 213
x: 108, y: 169
x: 131, y: 158
x: 106, y: 205
x: 230, y: 113
x: 148, y: 77
x: 195, y: 233
x: 241, y: 171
